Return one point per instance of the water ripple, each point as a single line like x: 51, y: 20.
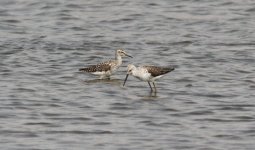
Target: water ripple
x: 207, y: 102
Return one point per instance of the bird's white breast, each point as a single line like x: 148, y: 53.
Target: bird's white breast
x: 142, y: 74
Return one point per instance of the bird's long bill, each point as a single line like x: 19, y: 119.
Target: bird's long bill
x: 128, y: 55
x: 125, y: 80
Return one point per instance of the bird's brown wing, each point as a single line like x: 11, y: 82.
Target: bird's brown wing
x: 157, y: 71
x: 104, y: 66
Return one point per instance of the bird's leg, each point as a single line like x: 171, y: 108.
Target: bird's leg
x: 154, y: 86
x: 150, y: 86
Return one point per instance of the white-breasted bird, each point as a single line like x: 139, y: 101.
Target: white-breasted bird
x: 147, y: 73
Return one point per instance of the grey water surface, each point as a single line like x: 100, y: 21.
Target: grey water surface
x: 206, y: 103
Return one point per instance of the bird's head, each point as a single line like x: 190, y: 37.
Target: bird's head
x: 122, y: 53
x: 130, y: 69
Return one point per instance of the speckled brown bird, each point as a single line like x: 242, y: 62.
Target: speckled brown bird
x: 106, y: 69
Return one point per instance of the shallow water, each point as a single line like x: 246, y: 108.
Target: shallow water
x: 207, y: 102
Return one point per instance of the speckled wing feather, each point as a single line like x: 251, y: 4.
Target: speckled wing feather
x: 156, y: 71
x: 104, y: 66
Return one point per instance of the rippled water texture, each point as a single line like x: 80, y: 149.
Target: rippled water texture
x: 206, y: 103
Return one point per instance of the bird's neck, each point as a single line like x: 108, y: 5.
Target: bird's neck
x: 118, y: 59
x: 135, y: 72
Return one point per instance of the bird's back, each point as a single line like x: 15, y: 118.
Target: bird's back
x: 157, y: 71
x: 101, y: 67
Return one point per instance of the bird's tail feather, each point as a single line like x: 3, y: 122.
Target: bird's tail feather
x: 84, y: 69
